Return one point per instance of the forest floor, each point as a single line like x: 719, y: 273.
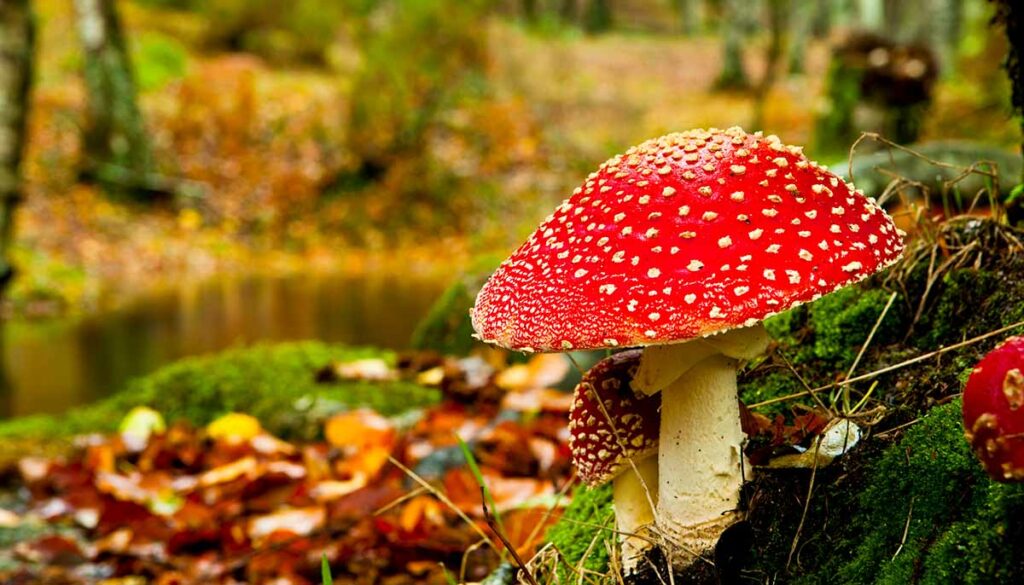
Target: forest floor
x: 190, y: 490
x: 258, y: 143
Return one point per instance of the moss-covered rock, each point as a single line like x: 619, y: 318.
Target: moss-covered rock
x: 275, y: 383
x: 447, y: 327
x: 961, y: 525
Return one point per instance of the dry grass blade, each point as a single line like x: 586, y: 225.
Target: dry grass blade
x: 807, y: 506
x: 444, y: 499
x: 399, y: 501
x: 871, y: 335
x: 547, y: 514
x: 906, y: 530
x: 888, y: 369
x: 492, y: 521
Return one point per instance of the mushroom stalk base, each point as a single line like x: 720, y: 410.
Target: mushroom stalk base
x: 700, y: 458
x: 634, y: 494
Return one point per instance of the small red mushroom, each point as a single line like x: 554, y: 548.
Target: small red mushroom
x: 993, y: 413
x: 613, y: 436
x: 683, y: 245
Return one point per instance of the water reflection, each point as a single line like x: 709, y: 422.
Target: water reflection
x: 53, y: 365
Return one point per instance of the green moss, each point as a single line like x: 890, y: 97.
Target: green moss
x: 961, y: 528
x: 843, y: 320
x: 275, y: 383
x: 577, y: 535
x: 447, y: 327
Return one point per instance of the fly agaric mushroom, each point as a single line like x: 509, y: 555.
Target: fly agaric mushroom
x: 692, y: 237
x: 993, y: 417
x: 613, y: 436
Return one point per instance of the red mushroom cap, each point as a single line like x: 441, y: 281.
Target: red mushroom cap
x: 993, y: 413
x: 684, y: 236
x: 600, y: 450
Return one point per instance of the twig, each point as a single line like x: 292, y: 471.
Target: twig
x: 906, y: 530
x: 493, y: 523
x: 898, y: 428
x: 803, y: 382
x: 807, y: 506
x: 871, y: 336
x: 888, y: 369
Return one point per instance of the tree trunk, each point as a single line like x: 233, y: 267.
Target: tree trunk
x: 1011, y: 14
x: 115, y: 143
x: 568, y: 11
x: 17, y: 43
x: 733, y: 75
x: 821, y: 23
x: 778, y: 18
x: 598, y: 16
x: 689, y: 18
x: 940, y: 34
x: 870, y: 15
x: 802, y: 22
x: 529, y: 11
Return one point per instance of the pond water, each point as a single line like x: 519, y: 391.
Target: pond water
x: 52, y: 365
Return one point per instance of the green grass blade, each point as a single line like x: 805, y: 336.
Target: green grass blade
x: 325, y: 571
x: 475, y: 470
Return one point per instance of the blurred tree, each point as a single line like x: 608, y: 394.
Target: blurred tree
x: 598, y: 16
x: 17, y: 53
x: 280, y: 31
x: 115, y: 147
x: 1010, y: 13
x: 942, y: 34
x: 568, y: 11
x: 688, y: 13
x: 821, y: 23
x: 733, y: 75
x: 878, y: 85
x: 870, y: 14
x: 779, y: 13
x: 419, y: 59
x: 17, y: 46
x: 802, y: 19
x: 529, y: 8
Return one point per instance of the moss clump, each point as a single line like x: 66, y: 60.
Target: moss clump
x: 268, y: 381
x: 843, y: 320
x: 963, y: 527
x: 961, y: 524
x: 578, y: 538
x: 447, y: 327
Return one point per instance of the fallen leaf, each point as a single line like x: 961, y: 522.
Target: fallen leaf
x: 543, y: 370
x: 359, y: 429
x: 234, y: 427
x: 299, y: 521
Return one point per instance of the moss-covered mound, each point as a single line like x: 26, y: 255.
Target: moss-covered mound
x: 958, y: 281
x: 275, y: 383
x: 447, y: 327
x: 959, y: 526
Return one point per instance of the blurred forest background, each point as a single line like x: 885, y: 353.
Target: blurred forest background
x: 198, y: 174
x: 182, y: 177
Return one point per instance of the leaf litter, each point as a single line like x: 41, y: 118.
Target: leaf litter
x: 378, y: 500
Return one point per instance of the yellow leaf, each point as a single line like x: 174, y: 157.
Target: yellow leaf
x: 234, y: 427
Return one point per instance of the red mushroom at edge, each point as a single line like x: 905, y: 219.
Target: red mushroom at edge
x: 683, y: 245
x: 993, y: 413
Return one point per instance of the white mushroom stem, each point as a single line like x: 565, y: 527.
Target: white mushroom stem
x: 635, y: 494
x: 700, y: 457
